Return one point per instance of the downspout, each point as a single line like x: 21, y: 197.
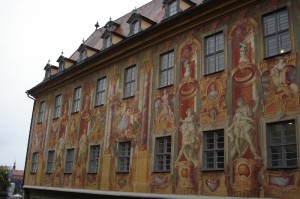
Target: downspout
x: 27, y: 194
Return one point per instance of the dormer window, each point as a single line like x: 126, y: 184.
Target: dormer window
x: 136, y: 27
x: 82, y: 55
x: 138, y: 23
x: 50, y: 70
x: 61, y: 66
x: 48, y: 73
x: 172, y: 8
x: 107, y: 41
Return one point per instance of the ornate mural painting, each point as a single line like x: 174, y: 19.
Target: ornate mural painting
x: 241, y: 100
x: 188, y: 128
x: 243, y: 128
x: 164, y: 111
x: 280, y: 87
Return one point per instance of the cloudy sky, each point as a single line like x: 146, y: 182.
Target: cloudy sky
x: 31, y: 33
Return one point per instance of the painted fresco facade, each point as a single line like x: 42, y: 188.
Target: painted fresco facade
x: 249, y: 94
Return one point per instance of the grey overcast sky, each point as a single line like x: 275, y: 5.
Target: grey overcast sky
x: 31, y: 33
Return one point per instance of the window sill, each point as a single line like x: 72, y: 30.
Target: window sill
x: 75, y: 112
x: 277, y: 55
x: 98, y: 105
x: 220, y: 71
x: 282, y: 168
x: 161, y: 171
x: 67, y: 173
x: 122, y: 172
x: 209, y: 170
x: 163, y: 87
x: 55, y: 118
x: 92, y: 173
x: 125, y: 98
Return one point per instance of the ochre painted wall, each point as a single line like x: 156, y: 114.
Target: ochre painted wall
x: 214, y: 101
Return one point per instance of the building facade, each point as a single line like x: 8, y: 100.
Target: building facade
x: 178, y: 97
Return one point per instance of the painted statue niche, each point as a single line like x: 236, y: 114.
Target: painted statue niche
x: 214, y: 109
x: 243, y: 130
x: 280, y: 88
x: 164, y: 111
x: 188, y: 86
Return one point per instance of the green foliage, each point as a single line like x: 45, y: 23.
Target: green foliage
x: 4, y: 183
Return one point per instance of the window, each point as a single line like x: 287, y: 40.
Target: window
x: 82, y: 55
x: 214, y: 53
x: 135, y: 27
x: 57, y: 106
x: 172, y: 8
x: 69, y: 161
x: 282, y: 145
x: 162, y: 154
x: 107, y: 41
x: 166, y: 69
x: 213, y: 157
x: 100, y: 92
x: 41, y: 112
x: 94, y: 158
x: 76, y: 100
x: 50, y: 161
x: 61, y: 66
x: 276, y: 33
x: 34, y: 162
x: 124, y: 156
x: 129, y: 85
x: 48, y: 73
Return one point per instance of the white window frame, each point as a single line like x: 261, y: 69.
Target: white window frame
x: 41, y: 113
x: 124, y: 154
x: 167, y: 62
x: 57, y: 106
x: 214, y: 53
x: 213, y: 150
x: 94, y: 158
x: 163, y: 154
x: 50, y: 161
x: 34, y: 162
x: 101, y: 91
x: 76, y: 100
x: 129, y: 81
x: 69, y: 160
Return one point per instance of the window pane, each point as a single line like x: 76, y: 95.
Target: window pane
x: 270, y: 25
x: 166, y: 69
x: 283, y: 21
x: 284, y: 42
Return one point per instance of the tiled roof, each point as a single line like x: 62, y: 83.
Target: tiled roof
x: 153, y: 10
x: 18, y: 172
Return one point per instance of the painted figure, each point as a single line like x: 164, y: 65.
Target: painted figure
x: 278, y: 75
x: 124, y: 120
x: 189, y: 138
x: 243, y: 53
x: 187, y: 72
x: 213, y: 92
x: 164, y: 109
x: 242, y: 127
